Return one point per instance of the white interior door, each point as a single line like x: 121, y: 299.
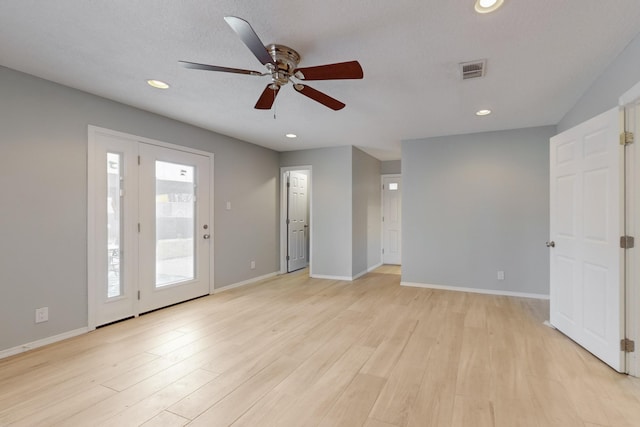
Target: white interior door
x: 297, y: 227
x: 586, y: 222
x: 149, y: 226
x: 391, y: 219
x: 174, y: 226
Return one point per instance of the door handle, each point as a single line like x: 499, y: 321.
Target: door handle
x: 551, y: 244
x: 206, y: 236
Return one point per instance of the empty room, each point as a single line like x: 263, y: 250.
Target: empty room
x: 298, y: 213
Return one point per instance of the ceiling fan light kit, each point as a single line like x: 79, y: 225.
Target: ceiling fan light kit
x: 282, y: 66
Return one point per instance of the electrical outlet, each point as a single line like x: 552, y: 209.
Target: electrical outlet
x: 500, y: 275
x: 42, y: 314
x: 253, y: 265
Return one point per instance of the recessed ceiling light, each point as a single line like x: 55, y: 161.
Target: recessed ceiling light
x: 486, y: 6
x: 291, y: 135
x: 158, y: 84
x: 483, y: 112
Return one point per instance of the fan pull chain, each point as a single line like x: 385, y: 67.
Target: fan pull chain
x: 275, y: 106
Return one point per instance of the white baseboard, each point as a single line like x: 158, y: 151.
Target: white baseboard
x: 345, y: 278
x: 548, y: 323
x: 42, y: 342
x: 323, y: 276
x: 362, y: 273
x: 370, y: 269
x: 245, y: 282
x: 476, y: 291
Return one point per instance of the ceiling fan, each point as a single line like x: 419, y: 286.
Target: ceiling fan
x: 282, y: 65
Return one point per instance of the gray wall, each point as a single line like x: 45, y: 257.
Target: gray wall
x: 367, y: 216
x: 619, y: 77
x: 475, y: 204
x: 391, y: 167
x: 331, y: 207
x: 43, y: 220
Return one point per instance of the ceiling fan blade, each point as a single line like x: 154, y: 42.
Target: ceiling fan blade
x: 320, y: 97
x: 206, y: 67
x: 341, y: 70
x: 250, y: 38
x: 268, y: 97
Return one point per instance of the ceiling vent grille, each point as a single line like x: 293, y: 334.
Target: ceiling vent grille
x: 473, y: 69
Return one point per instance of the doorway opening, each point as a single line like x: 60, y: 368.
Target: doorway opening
x: 295, y: 219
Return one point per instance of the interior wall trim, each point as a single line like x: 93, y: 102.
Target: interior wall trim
x: 42, y: 342
x: 323, y: 276
x: 245, y: 282
x: 475, y: 290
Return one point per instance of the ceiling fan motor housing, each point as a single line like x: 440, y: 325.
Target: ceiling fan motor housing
x: 286, y: 60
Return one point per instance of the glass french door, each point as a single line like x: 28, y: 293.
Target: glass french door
x: 149, y: 226
x: 174, y: 226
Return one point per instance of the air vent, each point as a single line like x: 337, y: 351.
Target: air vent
x: 473, y: 69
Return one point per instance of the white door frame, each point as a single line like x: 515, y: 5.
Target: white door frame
x: 382, y: 177
x: 632, y: 292
x: 283, y: 215
x: 91, y: 206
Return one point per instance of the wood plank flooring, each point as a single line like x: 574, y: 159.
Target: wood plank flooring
x: 294, y: 351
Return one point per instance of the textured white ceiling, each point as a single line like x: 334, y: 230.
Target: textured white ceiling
x: 542, y: 55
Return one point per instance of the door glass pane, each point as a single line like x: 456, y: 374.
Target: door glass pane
x: 175, y: 223
x: 114, y: 230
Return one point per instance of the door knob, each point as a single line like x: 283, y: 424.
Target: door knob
x: 551, y: 244
x: 206, y: 236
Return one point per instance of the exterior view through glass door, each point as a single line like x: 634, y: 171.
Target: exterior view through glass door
x: 150, y: 228
x: 174, y: 226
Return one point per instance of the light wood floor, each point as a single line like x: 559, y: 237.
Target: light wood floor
x: 294, y: 351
